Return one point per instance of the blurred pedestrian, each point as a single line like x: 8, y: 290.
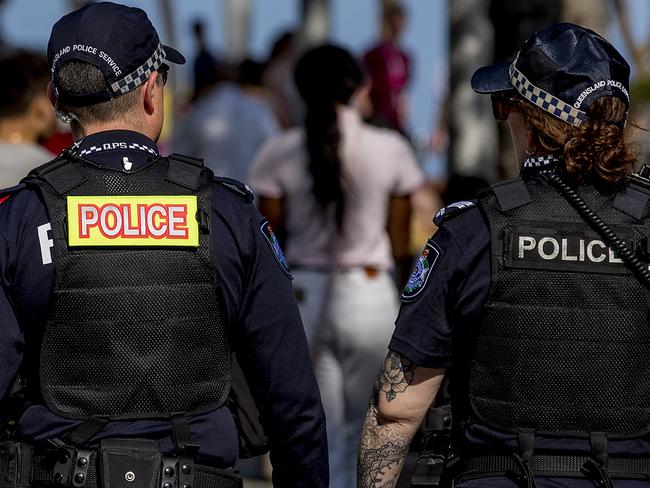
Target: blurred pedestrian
x: 205, y: 63
x: 227, y: 126
x: 26, y: 115
x: 389, y: 68
x: 279, y: 79
x: 335, y: 186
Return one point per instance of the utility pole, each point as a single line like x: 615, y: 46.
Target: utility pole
x: 238, y: 21
x: 316, y: 19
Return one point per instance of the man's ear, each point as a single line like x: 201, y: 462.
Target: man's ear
x: 150, y: 93
x: 51, y: 94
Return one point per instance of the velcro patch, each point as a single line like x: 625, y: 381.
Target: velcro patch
x: 563, y: 248
x: 421, y: 272
x: 272, y: 241
x: 126, y: 221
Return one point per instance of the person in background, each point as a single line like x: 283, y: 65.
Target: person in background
x: 340, y: 190
x: 205, y: 63
x: 227, y: 127
x: 536, y: 295
x: 389, y: 68
x: 278, y: 78
x: 26, y: 115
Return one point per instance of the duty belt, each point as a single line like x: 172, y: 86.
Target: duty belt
x: 562, y: 466
x: 22, y: 466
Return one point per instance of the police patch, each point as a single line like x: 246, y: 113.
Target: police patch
x: 272, y: 241
x: 421, y: 272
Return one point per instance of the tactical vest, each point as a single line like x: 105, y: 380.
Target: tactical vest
x: 133, y: 332
x: 565, y: 342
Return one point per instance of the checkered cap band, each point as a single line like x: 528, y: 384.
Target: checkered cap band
x: 140, y: 75
x: 544, y: 100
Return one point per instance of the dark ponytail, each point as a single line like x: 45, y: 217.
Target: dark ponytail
x: 326, y: 77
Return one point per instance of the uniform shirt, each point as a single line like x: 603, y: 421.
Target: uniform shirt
x: 259, y: 308
x: 451, y: 301
x: 377, y: 163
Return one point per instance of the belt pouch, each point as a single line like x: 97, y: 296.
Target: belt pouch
x: 129, y: 463
x: 15, y: 464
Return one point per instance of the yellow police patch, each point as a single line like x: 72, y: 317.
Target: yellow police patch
x: 168, y: 220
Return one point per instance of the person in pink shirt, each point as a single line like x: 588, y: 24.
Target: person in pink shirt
x: 389, y: 69
x: 339, y: 189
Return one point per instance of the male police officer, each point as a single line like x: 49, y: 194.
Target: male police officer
x: 127, y: 281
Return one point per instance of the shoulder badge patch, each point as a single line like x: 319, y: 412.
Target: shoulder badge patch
x: 272, y: 241
x: 453, y: 209
x: 420, y: 275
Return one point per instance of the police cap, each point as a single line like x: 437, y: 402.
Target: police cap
x: 119, y: 40
x: 562, y: 69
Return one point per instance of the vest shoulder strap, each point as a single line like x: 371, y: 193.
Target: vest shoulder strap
x: 633, y: 201
x: 511, y: 194
x: 185, y: 171
x: 242, y: 189
x: 59, y: 173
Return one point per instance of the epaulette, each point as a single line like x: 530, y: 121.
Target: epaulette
x: 235, y: 186
x: 452, y: 210
x: 6, y: 193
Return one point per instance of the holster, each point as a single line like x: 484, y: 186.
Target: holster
x: 15, y: 464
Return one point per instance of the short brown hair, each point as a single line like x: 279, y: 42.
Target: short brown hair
x: 24, y: 76
x: 595, y: 151
x: 77, y: 77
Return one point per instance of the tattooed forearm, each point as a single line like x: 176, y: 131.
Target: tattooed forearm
x: 396, y: 375
x: 382, y: 452
x: 384, y: 445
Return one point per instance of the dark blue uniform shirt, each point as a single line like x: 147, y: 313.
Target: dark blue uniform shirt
x: 261, y: 313
x: 453, y: 296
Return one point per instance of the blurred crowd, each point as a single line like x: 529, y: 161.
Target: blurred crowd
x: 322, y: 137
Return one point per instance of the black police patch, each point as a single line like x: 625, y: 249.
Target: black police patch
x: 563, y: 247
x: 272, y: 241
x: 421, y: 272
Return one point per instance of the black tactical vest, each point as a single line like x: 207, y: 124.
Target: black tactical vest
x: 133, y: 332
x: 565, y: 344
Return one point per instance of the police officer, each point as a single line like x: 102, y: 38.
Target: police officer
x: 536, y: 295
x: 134, y: 286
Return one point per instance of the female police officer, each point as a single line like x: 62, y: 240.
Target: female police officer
x: 537, y: 294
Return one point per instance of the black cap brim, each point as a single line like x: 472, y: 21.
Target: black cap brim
x: 492, y: 79
x: 173, y: 56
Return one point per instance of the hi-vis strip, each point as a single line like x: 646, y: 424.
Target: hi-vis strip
x: 133, y: 221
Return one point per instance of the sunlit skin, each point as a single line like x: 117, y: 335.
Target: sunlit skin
x: 146, y: 117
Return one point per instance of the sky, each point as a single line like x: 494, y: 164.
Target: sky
x: 355, y: 24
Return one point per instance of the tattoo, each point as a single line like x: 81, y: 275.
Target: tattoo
x: 396, y: 376
x: 382, y: 452
x: 383, y: 448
